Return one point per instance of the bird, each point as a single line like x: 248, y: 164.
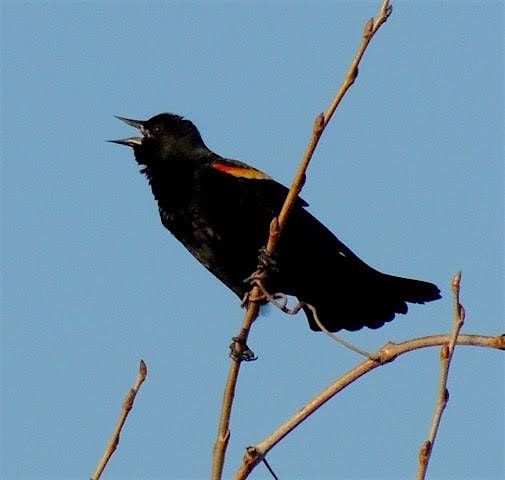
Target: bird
x: 220, y: 209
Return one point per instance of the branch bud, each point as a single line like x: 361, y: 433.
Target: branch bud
x: 368, y: 30
x: 455, y: 283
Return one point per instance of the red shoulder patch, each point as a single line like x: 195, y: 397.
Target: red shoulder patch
x: 239, y: 170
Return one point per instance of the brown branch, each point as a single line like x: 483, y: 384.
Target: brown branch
x: 240, y: 342
x: 387, y: 353
x: 323, y: 119
x: 369, y: 31
x: 223, y: 434
x: 125, y: 410
x: 446, y: 354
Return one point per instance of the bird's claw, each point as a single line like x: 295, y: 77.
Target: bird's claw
x: 267, y: 261
x: 240, y: 352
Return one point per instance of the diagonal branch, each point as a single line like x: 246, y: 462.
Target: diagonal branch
x: 322, y: 120
x: 240, y: 342
x: 386, y: 354
x: 125, y: 410
x: 446, y: 354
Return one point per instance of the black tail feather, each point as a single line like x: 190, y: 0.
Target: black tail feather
x: 385, y: 297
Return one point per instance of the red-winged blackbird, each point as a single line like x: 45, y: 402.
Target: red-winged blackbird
x: 221, y: 209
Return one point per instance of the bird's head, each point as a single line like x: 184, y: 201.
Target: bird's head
x: 162, y: 136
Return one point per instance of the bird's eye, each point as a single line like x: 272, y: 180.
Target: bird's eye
x: 156, y: 129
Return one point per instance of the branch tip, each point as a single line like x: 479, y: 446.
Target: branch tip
x: 143, y: 370
x: 319, y: 124
x: 125, y: 410
x: 455, y: 283
x: 446, y: 356
x: 386, y: 10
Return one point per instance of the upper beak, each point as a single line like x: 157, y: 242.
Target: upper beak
x: 133, y: 123
x: 131, y: 141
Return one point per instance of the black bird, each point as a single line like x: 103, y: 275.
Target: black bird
x: 221, y: 209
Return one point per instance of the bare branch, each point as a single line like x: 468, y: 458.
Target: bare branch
x: 125, y: 410
x: 386, y: 354
x: 446, y: 354
x: 320, y: 123
x: 223, y: 434
x: 369, y: 31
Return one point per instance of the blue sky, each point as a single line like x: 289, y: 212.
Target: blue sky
x: 409, y: 174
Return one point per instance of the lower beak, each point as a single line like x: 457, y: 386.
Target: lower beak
x: 129, y: 142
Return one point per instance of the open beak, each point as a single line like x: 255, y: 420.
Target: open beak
x: 133, y: 123
x: 131, y: 141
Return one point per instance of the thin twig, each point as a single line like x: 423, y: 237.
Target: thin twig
x: 125, y: 410
x: 386, y: 354
x: 280, y: 301
x: 270, y: 469
x: 369, y: 31
x: 336, y: 338
x: 323, y: 119
x: 277, y: 226
x: 446, y: 354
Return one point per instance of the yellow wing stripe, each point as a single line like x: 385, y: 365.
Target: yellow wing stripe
x: 240, y: 171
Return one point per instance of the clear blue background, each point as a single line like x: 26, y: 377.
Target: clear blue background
x: 409, y: 174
